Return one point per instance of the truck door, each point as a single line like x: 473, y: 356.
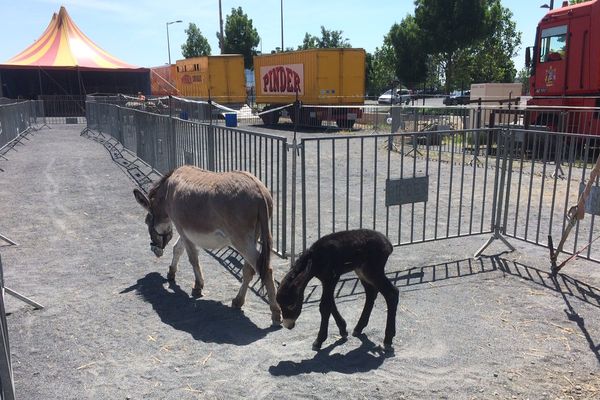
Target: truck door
x: 578, y: 54
x: 551, y: 63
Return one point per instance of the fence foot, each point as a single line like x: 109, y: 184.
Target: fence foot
x: 495, y: 236
x: 24, y: 299
x: 7, y: 240
x: 39, y: 128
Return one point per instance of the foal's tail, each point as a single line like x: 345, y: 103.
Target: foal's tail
x: 264, y: 258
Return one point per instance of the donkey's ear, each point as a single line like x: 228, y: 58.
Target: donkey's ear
x: 141, y: 199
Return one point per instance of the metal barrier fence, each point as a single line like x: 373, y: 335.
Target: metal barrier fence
x: 414, y: 187
x: 546, y: 175
x: 15, y: 120
x: 384, y: 182
x: 166, y: 142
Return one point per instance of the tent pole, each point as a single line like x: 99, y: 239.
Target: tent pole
x: 40, y: 80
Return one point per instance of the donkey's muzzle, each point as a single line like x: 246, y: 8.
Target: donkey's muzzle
x: 158, y: 252
x: 289, y: 323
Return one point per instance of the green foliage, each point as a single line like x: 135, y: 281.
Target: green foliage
x: 240, y: 36
x: 196, y: 44
x: 380, y: 70
x: 410, y: 62
x: 450, y: 25
x: 523, y: 78
x: 328, y: 39
x: 571, y: 2
x: 490, y: 59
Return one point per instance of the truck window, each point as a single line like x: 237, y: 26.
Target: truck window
x: 553, y: 44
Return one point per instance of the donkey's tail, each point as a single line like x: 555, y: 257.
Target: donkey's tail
x: 264, y: 258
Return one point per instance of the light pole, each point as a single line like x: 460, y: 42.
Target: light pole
x: 282, y: 49
x: 168, y: 44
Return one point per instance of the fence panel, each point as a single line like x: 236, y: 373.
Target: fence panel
x: 15, y: 119
x: 349, y: 182
x: 547, y: 172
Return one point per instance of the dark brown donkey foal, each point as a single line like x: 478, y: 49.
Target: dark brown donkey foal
x: 363, y: 251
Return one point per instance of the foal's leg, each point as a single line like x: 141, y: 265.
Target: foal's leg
x: 192, y: 252
x: 391, y: 295
x: 371, y: 295
x: 325, y: 308
x: 177, y: 252
x: 339, y: 320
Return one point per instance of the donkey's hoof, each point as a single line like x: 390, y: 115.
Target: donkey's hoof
x: 317, y: 345
x: 343, y: 333
x: 357, y: 332
x: 196, y: 293
x: 237, y: 303
x: 171, y: 276
x: 276, y: 319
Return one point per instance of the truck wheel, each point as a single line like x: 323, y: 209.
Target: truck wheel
x: 345, y: 123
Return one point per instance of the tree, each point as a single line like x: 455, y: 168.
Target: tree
x: 450, y: 25
x: 240, y: 36
x: 196, y: 44
x: 571, y: 2
x: 380, y: 70
x: 490, y: 60
x: 328, y: 39
x: 523, y: 79
x: 410, y: 62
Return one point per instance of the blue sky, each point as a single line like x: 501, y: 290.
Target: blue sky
x: 135, y: 30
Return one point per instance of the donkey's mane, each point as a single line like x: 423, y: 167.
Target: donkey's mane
x: 301, y: 262
x: 158, y: 185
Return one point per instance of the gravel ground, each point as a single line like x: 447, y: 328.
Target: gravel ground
x: 113, y: 328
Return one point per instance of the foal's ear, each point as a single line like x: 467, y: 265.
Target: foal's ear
x: 141, y: 199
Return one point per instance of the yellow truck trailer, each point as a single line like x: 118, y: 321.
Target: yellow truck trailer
x: 219, y: 77
x: 317, y: 77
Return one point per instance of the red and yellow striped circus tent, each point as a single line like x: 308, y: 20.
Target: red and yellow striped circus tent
x: 63, y: 60
x: 63, y: 44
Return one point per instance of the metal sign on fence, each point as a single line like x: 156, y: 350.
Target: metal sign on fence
x: 406, y: 191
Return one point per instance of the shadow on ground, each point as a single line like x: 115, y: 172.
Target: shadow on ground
x: 568, y: 287
x: 206, y: 320
x: 368, y: 356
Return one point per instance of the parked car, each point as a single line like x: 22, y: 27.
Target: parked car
x: 458, y: 98
x: 400, y: 96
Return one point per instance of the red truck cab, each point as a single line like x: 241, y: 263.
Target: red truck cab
x: 565, y: 68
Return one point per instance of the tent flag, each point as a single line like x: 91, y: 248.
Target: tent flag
x: 63, y: 44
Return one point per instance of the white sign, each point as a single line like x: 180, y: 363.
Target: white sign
x: 282, y: 79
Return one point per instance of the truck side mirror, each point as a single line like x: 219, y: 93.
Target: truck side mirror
x: 528, y: 57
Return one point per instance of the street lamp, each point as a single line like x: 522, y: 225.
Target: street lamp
x: 168, y: 44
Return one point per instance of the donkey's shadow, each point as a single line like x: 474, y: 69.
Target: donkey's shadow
x: 368, y: 356
x: 206, y: 320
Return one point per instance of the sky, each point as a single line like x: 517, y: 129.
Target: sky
x: 135, y: 31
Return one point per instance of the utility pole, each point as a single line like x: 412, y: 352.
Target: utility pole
x: 282, y: 48
x: 221, y: 39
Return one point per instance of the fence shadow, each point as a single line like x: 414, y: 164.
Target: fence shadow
x: 568, y: 288
x: 233, y: 262
x: 368, y: 356
x: 206, y: 320
x: 350, y: 286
